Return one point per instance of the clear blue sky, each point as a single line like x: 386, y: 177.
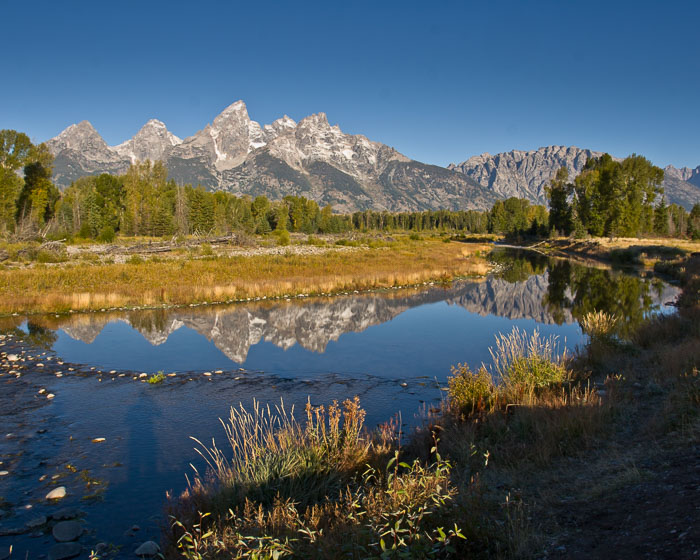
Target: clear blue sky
x: 440, y: 81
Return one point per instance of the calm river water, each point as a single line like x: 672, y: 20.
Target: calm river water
x: 394, y: 349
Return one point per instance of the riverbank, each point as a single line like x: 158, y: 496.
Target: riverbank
x: 622, y: 251
x: 217, y: 273
x: 595, y: 456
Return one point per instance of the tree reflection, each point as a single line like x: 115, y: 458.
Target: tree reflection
x: 41, y: 336
x: 580, y: 289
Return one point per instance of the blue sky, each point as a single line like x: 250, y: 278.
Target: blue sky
x: 440, y: 81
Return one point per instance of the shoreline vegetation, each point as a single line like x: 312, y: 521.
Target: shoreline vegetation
x: 56, y: 277
x: 518, y: 460
x: 201, y: 272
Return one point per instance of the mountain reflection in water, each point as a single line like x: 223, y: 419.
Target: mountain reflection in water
x: 546, y: 291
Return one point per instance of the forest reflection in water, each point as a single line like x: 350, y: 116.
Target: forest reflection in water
x: 574, y: 290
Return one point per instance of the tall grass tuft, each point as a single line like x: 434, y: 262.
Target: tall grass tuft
x: 274, y: 456
x: 599, y: 325
x: 524, y: 364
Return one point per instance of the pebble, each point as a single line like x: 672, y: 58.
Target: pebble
x: 50, y: 396
x: 12, y: 358
x: 64, y: 551
x: 37, y: 522
x: 149, y: 548
x: 98, y: 440
x: 219, y: 371
x: 67, y: 531
x: 207, y: 373
x: 40, y: 365
x: 4, y: 473
x: 57, y: 493
x: 42, y: 391
x: 143, y: 375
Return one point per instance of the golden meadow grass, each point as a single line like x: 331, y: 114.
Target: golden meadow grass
x: 86, y: 286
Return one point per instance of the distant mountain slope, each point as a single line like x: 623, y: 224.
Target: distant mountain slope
x: 310, y: 158
x: 525, y: 174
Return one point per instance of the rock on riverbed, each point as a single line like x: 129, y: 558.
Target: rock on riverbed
x: 67, y: 531
x: 57, y: 493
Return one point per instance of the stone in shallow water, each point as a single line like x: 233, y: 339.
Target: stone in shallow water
x: 64, y: 551
x: 37, y: 522
x: 67, y: 531
x: 149, y: 548
x: 57, y: 493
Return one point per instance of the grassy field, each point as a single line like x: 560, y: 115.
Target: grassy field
x: 206, y: 276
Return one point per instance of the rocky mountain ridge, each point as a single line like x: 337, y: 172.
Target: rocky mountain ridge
x: 525, y: 174
x: 310, y: 158
x: 316, y: 159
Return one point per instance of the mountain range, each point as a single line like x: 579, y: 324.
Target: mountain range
x: 317, y: 160
x: 309, y: 158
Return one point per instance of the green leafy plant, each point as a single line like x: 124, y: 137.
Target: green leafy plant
x: 156, y: 378
x: 471, y: 392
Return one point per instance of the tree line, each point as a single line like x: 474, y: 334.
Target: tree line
x: 617, y: 199
x: 608, y: 198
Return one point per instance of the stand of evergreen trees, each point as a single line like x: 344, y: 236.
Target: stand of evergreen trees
x: 608, y: 198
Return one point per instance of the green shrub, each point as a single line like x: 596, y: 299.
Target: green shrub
x: 206, y: 250
x: 135, y: 259
x: 347, y: 243
x: 106, y: 234
x: 470, y: 392
x: 283, y: 238
x: 44, y: 256
x: 315, y: 241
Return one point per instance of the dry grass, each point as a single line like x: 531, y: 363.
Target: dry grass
x: 323, y: 489
x: 87, y: 286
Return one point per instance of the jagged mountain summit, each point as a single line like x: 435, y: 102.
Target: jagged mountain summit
x: 686, y: 174
x: 310, y: 158
x: 525, y: 174
x: 151, y: 142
